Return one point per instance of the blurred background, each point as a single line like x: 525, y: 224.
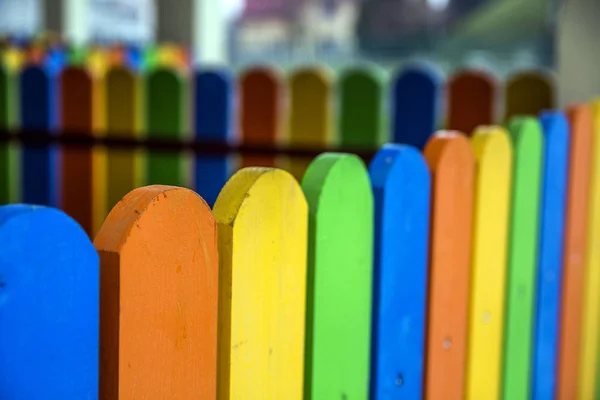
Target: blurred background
x: 500, y: 35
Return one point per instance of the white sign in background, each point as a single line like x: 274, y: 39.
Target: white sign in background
x: 131, y: 21
x: 20, y: 17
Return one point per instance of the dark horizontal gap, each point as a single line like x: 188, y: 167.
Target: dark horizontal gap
x: 199, y: 147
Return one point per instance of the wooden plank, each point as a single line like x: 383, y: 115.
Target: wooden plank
x: 5, y: 171
x: 527, y: 140
x: 340, y: 254
x: 165, y: 120
x: 471, y: 100
x: 76, y: 174
x: 260, y: 114
x: 416, y: 103
x: 159, y: 290
x: 39, y: 166
x: 263, y: 232
x: 548, y: 293
x: 402, y: 185
x: 575, y: 242
x: 49, y: 306
x: 361, y: 108
x: 589, y: 331
x: 488, y: 266
x: 213, y: 121
x: 452, y: 164
x: 528, y: 93
x: 123, y: 171
x: 311, y: 115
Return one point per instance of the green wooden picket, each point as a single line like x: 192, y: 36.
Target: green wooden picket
x: 362, y: 123
x: 340, y: 201
x: 528, y: 93
x: 165, y: 120
x: 526, y: 135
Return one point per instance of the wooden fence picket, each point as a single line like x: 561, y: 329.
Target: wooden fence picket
x: 527, y: 141
x: 5, y: 159
x: 213, y: 121
x: 340, y: 267
x: 263, y: 232
x: 452, y: 163
x: 401, y: 185
x: 493, y: 153
x: 159, y: 290
x: 528, y: 93
x: 471, y: 101
x: 49, y: 306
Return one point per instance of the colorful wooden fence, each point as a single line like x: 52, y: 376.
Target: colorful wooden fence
x: 457, y: 264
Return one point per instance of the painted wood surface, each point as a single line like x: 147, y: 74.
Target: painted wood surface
x: 261, y: 113
x: 549, y: 275
x: 49, y: 306
x: 122, y: 104
x: 213, y: 121
x: 452, y: 164
x: 262, y: 218
x: 471, y: 101
x: 416, y: 104
x: 37, y: 113
x: 76, y: 174
x: 528, y: 93
x: 361, y: 115
x: 527, y: 140
x: 159, y: 290
x: 164, y: 120
x: 401, y: 186
x: 588, y: 358
x: 575, y: 242
x: 493, y: 153
x: 5, y: 172
x: 310, y: 113
x: 340, y: 267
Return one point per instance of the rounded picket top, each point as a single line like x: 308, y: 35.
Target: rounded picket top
x: 416, y: 104
x: 261, y: 93
x: 340, y: 268
x: 362, y: 122
x: 452, y: 163
x: 471, y: 100
x: 528, y: 93
x: 49, y: 306
x: 159, y: 272
x: 493, y: 152
x: 401, y: 185
x: 263, y: 232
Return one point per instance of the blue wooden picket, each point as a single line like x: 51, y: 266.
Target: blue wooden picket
x: 550, y: 256
x: 49, y: 306
x: 38, y: 162
x: 213, y: 122
x: 402, y: 189
x: 416, y: 105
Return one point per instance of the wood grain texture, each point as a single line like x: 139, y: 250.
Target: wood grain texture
x: 122, y: 105
x: 416, y: 105
x: 549, y: 275
x: 471, y: 101
x: 401, y: 185
x: 527, y: 141
x: 528, y: 93
x: 159, y: 292
x: 49, y: 306
x: 37, y: 110
x: 574, y: 259
x: 164, y: 114
x: 362, y: 123
x: 493, y: 153
x: 261, y: 114
x: 76, y: 109
x: 213, y: 113
x: 311, y: 113
x: 340, y: 267
x: 263, y: 233
x: 588, y: 359
x: 452, y: 162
